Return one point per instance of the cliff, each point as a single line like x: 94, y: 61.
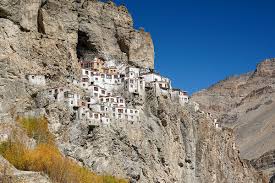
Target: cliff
x: 169, y: 143
x: 246, y: 104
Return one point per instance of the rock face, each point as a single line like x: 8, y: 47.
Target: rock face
x: 23, y: 13
x: 246, y: 103
x: 109, y: 33
x: 169, y: 144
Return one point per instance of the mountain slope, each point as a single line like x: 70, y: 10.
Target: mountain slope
x: 246, y: 104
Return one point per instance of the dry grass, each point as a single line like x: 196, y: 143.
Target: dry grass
x: 46, y: 157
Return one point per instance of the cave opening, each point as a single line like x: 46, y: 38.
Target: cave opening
x: 86, y: 51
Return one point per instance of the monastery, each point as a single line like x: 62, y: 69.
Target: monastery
x: 99, y: 105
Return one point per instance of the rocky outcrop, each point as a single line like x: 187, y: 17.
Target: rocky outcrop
x: 266, y: 68
x: 245, y: 103
x: 110, y: 34
x: 168, y: 144
x: 266, y: 163
x: 23, y: 13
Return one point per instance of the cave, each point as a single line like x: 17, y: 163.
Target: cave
x: 86, y: 50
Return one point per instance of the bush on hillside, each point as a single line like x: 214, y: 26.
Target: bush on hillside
x: 46, y: 157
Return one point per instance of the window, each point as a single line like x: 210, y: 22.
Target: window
x: 72, y: 102
x: 136, y: 112
x: 102, y: 91
x: 50, y: 92
x: 96, y: 116
x: 120, y: 110
x: 32, y: 77
x: 102, y: 75
x: 121, y: 100
x: 119, y: 115
x: 107, y: 100
x: 131, y: 81
x: 131, y: 111
x: 102, y: 108
x: 95, y: 94
x: 131, y: 86
x: 95, y: 88
x: 86, y: 72
x: 96, y: 79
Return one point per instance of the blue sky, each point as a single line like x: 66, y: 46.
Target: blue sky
x: 199, y: 42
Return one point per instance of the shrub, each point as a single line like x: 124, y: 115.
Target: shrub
x: 37, y: 128
x: 46, y: 157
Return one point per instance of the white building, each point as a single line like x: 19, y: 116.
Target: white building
x: 126, y: 114
x: 72, y: 99
x: 97, y: 91
x: 217, y: 124
x: 135, y: 85
x: 84, y: 82
x: 152, y: 77
x: 36, y: 79
x: 161, y: 84
x: 112, y: 101
x: 57, y: 93
x: 98, y: 118
x: 180, y: 96
x: 132, y: 72
x: 90, y: 101
x: 107, y: 81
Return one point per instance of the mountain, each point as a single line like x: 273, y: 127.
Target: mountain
x: 44, y: 44
x: 245, y: 103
